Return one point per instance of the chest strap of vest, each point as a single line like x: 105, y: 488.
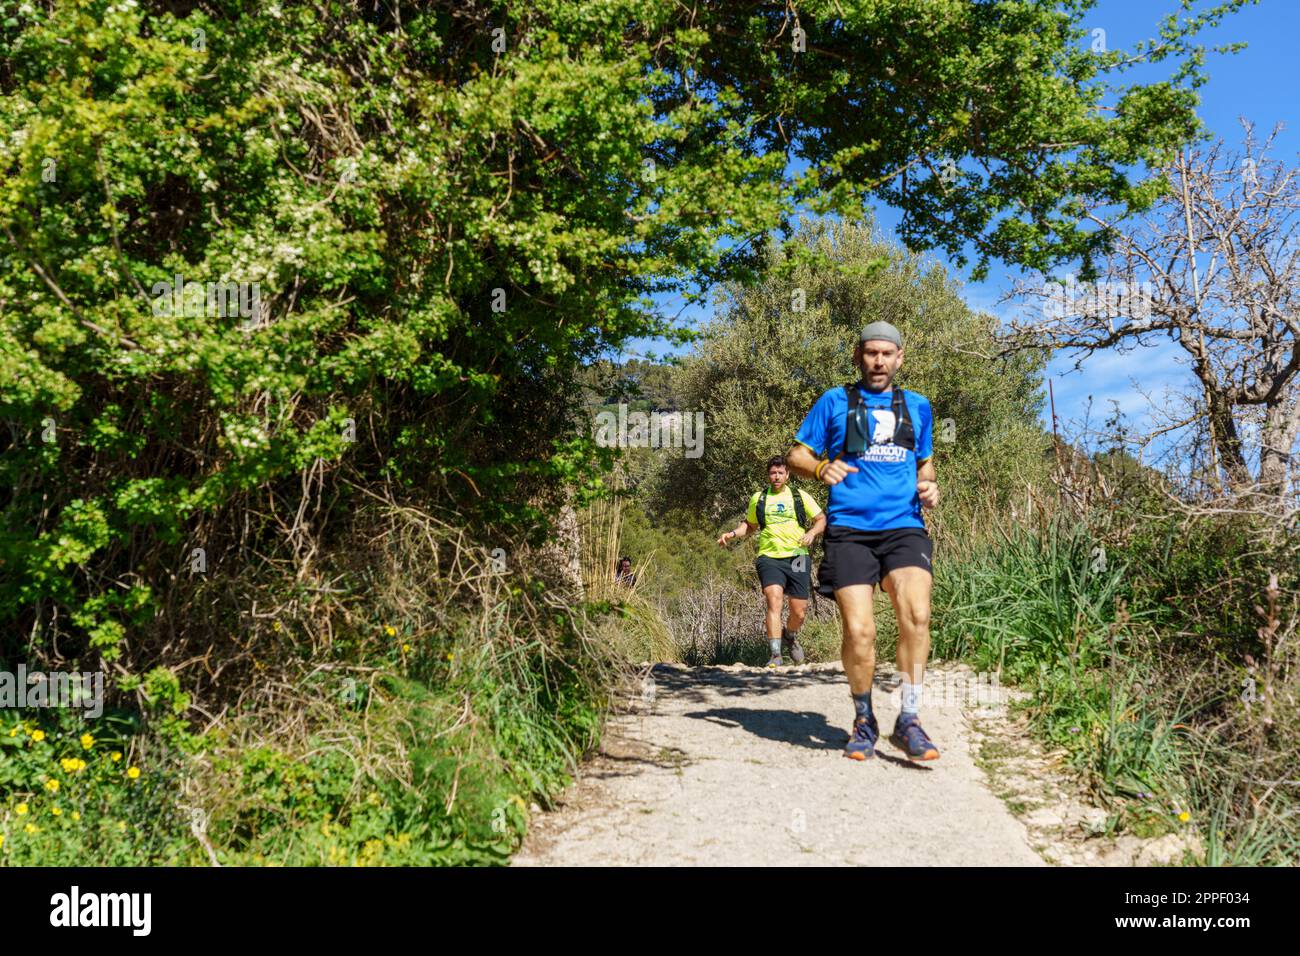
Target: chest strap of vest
x: 857, y: 423
x: 800, y: 515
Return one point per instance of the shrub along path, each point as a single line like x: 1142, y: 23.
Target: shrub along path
x: 742, y: 766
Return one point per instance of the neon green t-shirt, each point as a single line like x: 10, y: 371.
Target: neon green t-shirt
x: 780, y: 535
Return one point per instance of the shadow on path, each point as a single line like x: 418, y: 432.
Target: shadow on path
x: 801, y: 728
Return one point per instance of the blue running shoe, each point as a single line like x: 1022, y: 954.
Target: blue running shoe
x: 862, y: 742
x: 912, y: 740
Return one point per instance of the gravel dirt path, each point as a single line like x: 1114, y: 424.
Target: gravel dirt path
x: 739, y: 766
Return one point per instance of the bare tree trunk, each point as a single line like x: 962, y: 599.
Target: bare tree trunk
x: 1227, y: 442
x: 1281, y: 428
x: 560, y: 558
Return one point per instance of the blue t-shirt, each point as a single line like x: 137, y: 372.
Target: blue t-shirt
x: 881, y: 494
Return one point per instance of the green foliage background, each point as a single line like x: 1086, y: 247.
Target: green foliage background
x: 448, y: 209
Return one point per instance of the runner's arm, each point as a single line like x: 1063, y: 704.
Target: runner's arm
x: 927, y: 485
x: 818, y: 526
x: 801, y: 460
x: 739, y: 531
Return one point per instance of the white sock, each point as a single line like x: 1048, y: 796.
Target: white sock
x: 911, y: 699
x: 775, y: 643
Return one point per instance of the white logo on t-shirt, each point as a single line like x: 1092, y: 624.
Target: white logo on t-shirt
x: 884, y: 432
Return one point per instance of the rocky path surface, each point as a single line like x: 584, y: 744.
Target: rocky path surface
x: 738, y: 766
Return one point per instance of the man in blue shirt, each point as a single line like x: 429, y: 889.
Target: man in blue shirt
x: 873, y: 445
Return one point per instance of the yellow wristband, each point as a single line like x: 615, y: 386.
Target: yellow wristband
x: 817, y: 473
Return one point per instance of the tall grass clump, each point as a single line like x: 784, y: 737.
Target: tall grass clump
x: 633, y: 629
x: 1159, y: 649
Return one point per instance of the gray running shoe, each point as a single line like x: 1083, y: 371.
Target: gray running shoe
x: 791, y: 646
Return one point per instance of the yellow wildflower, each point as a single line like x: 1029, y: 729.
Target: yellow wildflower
x: 21, y: 809
x: 121, y: 826
x: 390, y: 631
x: 57, y: 811
x: 38, y: 735
x: 76, y: 815
x: 52, y: 786
x: 406, y: 648
x: 116, y: 755
x: 87, y: 741
x: 31, y: 828
x: 133, y: 772
x: 1184, y: 816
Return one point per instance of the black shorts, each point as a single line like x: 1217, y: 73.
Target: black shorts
x: 795, y: 578
x: 864, y: 557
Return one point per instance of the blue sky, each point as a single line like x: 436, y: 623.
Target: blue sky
x: 1260, y: 83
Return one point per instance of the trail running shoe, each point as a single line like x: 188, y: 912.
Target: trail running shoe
x: 862, y: 742
x: 774, y: 662
x: 791, y: 646
x: 912, y: 740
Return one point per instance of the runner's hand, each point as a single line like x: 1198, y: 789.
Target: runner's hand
x: 722, y: 541
x: 808, y: 539
x: 834, y: 473
x: 928, y: 491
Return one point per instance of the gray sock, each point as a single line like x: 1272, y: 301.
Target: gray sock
x: 775, y: 643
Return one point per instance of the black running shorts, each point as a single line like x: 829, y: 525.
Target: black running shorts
x: 793, y: 573
x: 864, y: 557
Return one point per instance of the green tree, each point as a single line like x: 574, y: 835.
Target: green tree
x: 777, y: 344
x: 445, y: 209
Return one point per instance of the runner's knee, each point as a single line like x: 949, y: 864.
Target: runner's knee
x: 915, y: 617
x: 860, y: 634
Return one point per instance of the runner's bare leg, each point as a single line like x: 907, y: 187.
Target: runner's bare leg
x: 798, y: 609
x: 774, y: 595
x: 858, y: 624
x: 909, y: 590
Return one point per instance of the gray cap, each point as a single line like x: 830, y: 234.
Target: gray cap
x: 883, y: 331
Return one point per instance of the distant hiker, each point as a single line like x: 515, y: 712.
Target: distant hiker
x: 623, y: 575
x: 788, y: 522
x: 872, y: 444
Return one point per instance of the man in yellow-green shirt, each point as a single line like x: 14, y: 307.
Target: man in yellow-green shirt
x: 787, y: 521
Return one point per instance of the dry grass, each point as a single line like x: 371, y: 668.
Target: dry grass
x: 637, y: 633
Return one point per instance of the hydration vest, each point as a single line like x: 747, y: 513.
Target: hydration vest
x: 857, y: 429
x: 800, y: 515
